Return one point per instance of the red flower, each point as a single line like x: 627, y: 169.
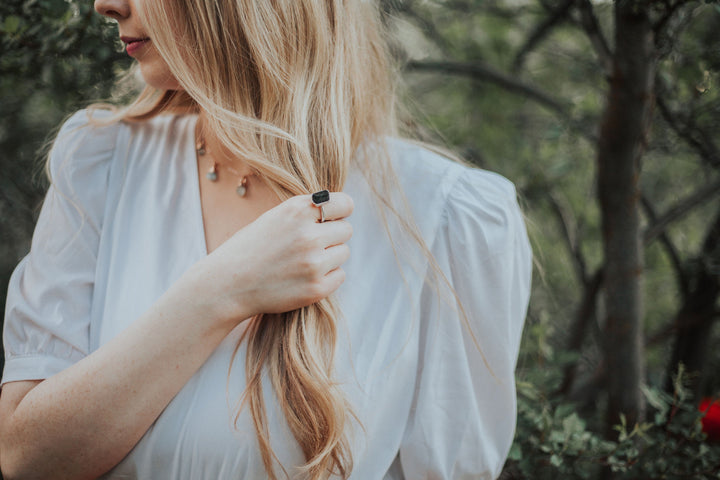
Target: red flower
x: 711, y: 420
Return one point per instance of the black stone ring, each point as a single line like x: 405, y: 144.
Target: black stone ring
x: 319, y: 199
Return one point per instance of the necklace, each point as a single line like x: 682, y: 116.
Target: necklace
x: 212, y: 173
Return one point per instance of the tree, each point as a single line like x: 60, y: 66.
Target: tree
x: 623, y: 136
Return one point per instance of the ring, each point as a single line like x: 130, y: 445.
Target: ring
x: 319, y: 199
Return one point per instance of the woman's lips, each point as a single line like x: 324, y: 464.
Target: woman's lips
x: 134, y: 45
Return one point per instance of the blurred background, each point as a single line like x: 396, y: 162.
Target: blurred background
x: 604, y: 114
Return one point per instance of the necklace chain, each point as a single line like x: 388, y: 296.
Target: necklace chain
x: 212, y: 173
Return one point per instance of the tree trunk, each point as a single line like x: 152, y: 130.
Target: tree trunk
x: 623, y: 133
x: 695, y: 318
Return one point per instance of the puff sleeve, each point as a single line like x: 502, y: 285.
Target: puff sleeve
x: 463, y: 415
x: 49, y: 298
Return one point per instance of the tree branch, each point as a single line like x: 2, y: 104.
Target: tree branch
x: 591, y: 26
x: 426, y: 25
x: 540, y: 32
x: 584, y: 315
x: 495, y: 9
x: 563, y: 213
x: 680, y: 209
x: 481, y: 71
x: 670, y: 249
x: 697, y: 138
x: 673, y: 328
x: 671, y: 8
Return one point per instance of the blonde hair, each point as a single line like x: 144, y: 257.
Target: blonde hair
x: 298, y: 89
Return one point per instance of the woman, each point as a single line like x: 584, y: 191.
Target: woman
x: 179, y: 246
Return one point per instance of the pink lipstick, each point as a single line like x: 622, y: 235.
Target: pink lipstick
x: 134, y: 45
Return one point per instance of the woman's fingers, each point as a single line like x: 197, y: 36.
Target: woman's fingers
x: 285, y: 259
x: 335, y: 256
x: 334, y: 232
x: 334, y: 279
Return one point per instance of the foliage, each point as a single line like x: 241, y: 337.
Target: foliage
x: 59, y: 47
x: 554, y: 439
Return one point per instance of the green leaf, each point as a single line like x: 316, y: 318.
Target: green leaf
x: 655, y: 398
x: 12, y: 24
x: 515, y: 452
x: 573, y: 424
x: 557, y: 437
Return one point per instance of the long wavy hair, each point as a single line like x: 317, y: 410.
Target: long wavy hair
x: 298, y: 89
x: 295, y: 88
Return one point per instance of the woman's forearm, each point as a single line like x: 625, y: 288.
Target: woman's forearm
x: 84, y: 420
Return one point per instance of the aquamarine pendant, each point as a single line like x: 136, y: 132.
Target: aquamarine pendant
x: 212, y: 173
x: 241, y: 189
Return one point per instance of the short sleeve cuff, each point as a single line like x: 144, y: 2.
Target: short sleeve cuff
x: 33, y: 367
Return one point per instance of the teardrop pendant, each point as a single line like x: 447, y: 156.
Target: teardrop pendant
x: 241, y: 189
x: 212, y: 173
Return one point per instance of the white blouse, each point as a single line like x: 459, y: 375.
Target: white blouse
x: 122, y: 222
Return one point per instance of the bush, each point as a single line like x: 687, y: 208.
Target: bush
x: 553, y: 441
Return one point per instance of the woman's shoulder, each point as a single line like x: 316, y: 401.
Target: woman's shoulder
x: 100, y: 128
x: 423, y: 166
x: 90, y: 139
x: 92, y: 142
x: 87, y: 130
x: 103, y: 125
x: 465, y: 194
x: 82, y: 151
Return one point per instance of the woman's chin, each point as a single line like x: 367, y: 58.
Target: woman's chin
x: 159, y: 78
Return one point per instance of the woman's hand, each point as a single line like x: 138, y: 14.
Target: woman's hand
x: 283, y: 260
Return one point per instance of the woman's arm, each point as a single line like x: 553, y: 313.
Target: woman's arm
x: 462, y: 419
x: 84, y: 420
